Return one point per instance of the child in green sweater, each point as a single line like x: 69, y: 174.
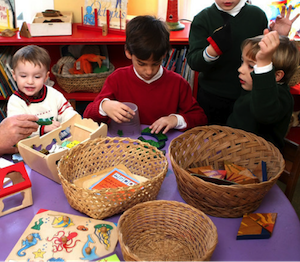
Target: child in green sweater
x: 265, y: 105
x: 216, y: 35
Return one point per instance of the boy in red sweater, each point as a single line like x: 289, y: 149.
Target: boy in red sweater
x: 164, y: 98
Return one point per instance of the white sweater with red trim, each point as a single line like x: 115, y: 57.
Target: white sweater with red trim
x: 52, y: 104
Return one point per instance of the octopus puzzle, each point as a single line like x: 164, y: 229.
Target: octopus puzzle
x: 56, y: 236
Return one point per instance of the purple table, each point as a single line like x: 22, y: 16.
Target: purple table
x: 284, y: 244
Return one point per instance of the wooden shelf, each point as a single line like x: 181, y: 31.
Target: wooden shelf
x: 114, y: 42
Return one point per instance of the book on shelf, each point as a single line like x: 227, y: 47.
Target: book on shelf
x: 170, y: 57
x: 181, y: 58
x: 8, y: 84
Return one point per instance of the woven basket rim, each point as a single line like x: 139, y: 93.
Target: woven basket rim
x: 174, y: 203
x: 113, y: 190
x: 213, y: 145
x: 235, y: 186
x: 54, y: 71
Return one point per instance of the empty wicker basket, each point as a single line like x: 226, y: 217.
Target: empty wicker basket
x: 211, y: 145
x: 164, y: 230
x: 98, y: 154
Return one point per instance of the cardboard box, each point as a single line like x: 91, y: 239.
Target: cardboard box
x: 81, y: 130
x: 39, y: 28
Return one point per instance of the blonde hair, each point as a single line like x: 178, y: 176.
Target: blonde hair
x: 285, y: 58
x: 33, y: 54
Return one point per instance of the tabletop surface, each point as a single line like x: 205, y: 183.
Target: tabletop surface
x: 283, y: 245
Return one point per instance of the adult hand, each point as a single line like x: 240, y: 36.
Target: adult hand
x: 164, y: 123
x: 15, y: 128
x: 117, y: 111
x: 282, y: 23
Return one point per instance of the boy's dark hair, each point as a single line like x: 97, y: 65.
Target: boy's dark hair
x: 33, y: 54
x: 285, y: 58
x: 147, y: 37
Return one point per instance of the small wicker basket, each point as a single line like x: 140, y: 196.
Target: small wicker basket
x: 164, y: 230
x: 211, y: 145
x: 98, y: 154
x: 86, y: 82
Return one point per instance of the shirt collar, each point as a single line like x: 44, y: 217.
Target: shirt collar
x: 154, y: 78
x: 29, y: 99
x: 235, y: 10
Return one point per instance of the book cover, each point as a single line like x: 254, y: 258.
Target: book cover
x: 115, y: 178
x: 7, y: 14
x: 117, y: 10
x: 257, y: 226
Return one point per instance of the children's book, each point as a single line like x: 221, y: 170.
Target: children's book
x: 112, y: 177
x: 117, y: 13
x: 115, y: 178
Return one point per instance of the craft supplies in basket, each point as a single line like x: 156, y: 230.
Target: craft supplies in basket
x: 164, y: 230
x: 212, y: 145
x: 93, y: 156
x: 92, y: 82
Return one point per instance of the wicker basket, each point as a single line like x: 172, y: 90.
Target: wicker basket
x: 86, y: 82
x: 295, y: 78
x: 164, y: 230
x: 211, y: 145
x: 98, y: 154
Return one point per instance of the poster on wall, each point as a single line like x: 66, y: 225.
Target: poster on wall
x: 117, y: 13
x: 7, y: 14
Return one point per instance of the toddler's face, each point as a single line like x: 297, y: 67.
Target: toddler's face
x: 227, y: 5
x: 245, y: 69
x: 145, y: 68
x: 30, y: 78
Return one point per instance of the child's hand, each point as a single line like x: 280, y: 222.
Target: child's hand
x: 55, y: 124
x: 282, y: 22
x: 268, y: 46
x: 221, y: 40
x: 166, y: 123
x: 118, y: 111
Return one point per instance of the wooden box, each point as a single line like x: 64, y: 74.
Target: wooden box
x: 81, y: 130
x: 40, y: 28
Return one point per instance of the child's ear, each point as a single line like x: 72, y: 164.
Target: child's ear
x: 13, y: 75
x: 279, y: 74
x: 47, y: 76
x: 127, y: 53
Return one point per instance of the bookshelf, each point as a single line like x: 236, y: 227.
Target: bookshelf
x: 115, y: 44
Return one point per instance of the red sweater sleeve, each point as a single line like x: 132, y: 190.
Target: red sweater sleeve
x: 170, y: 94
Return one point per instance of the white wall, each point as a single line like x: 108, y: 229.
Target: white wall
x: 30, y: 8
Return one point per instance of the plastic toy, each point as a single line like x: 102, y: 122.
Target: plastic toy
x: 18, y: 176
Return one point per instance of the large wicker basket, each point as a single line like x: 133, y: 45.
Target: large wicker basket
x: 164, y: 230
x: 85, y: 83
x: 211, y: 145
x: 98, y: 154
